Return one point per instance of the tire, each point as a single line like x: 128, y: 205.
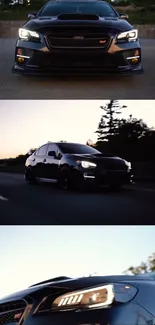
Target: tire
x: 64, y: 179
x: 30, y: 177
x: 69, y: 180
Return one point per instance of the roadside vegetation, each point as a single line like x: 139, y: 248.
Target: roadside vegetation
x: 144, y: 267
x: 129, y: 138
x: 139, y: 11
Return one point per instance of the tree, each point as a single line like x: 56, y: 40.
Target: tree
x: 144, y: 267
x: 132, y: 129
x: 108, y: 124
x: 130, y: 138
x: 143, y: 3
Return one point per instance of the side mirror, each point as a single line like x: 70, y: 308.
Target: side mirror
x: 123, y: 16
x: 52, y: 154
x: 59, y: 156
x: 32, y: 15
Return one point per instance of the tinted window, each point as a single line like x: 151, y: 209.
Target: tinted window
x: 77, y: 149
x: 99, y: 8
x: 54, y: 147
x: 42, y: 151
x: 51, y: 147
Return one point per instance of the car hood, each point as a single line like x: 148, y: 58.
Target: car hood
x: 99, y: 158
x: 60, y: 287
x: 110, y: 25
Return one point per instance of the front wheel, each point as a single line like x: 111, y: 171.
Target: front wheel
x: 69, y: 180
x: 64, y: 179
x: 30, y: 177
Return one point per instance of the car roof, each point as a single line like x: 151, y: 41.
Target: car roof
x: 67, y: 143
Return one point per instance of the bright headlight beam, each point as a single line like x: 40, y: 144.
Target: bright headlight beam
x: 25, y: 34
x: 128, y: 164
x: 131, y: 35
x: 86, y: 164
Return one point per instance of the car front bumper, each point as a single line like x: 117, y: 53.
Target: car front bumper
x: 108, y: 178
x: 36, y: 58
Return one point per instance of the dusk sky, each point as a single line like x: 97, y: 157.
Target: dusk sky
x: 27, y: 124
x: 30, y: 254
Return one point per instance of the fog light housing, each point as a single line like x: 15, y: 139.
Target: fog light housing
x: 23, y: 55
x: 135, y: 60
x: 137, y: 52
x: 19, y: 52
x: 20, y: 59
x: 88, y: 176
x: 133, y: 57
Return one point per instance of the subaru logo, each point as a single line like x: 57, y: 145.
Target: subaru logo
x: 79, y: 38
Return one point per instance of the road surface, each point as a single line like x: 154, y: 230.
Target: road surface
x: 21, y: 203
x: 20, y: 87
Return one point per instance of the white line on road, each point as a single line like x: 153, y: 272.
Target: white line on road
x: 3, y: 198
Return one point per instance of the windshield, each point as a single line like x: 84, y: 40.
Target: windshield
x: 74, y: 148
x: 148, y: 274
x: 99, y: 8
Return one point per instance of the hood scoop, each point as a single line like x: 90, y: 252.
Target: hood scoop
x: 78, y: 16
x: 46, y: 17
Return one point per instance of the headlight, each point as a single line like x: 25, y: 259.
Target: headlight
x: 86, y: 164
x: 128, y: 164
x: 28, y: 34
x: 96, y: 297
x: 129, y: 36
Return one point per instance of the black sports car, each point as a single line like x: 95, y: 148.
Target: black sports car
x: 113, y: 300
x: 69, y: 36
x: 76, y: 165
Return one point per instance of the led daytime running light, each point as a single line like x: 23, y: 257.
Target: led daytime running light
x: 25, y: 34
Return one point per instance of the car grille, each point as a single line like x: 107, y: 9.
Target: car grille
x: 11, y: 312
x: 116, y: 167
x: 113, y: 166
x: 77, y: 38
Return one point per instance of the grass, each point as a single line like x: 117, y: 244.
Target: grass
x: 139, y: 16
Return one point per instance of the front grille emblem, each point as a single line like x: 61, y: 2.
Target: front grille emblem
x: 79, y: 38
x: 102, y: 41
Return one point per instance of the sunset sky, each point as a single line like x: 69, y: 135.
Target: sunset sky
x: 27, y: 124
x: 30, y: 254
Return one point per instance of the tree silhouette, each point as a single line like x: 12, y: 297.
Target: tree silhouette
x: 144, y: 267
x: 108, y: 124
x: 132, y: 129
x: 129, y: 138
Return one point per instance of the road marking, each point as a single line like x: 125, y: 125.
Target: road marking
x: 3, y: 198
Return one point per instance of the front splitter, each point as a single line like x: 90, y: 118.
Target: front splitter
x: 76, y: 72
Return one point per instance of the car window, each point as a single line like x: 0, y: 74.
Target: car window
x: 99, y: 8
x: 74, y: 148
x: 51, y: 147
x: 42, y: 151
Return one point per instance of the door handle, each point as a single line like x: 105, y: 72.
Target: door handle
x: 44, y: 160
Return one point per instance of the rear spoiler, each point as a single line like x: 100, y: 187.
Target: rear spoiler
x: 78, y: 17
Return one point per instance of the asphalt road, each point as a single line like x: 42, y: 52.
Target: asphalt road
x: 21, y: 203
x: 20, y: 87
